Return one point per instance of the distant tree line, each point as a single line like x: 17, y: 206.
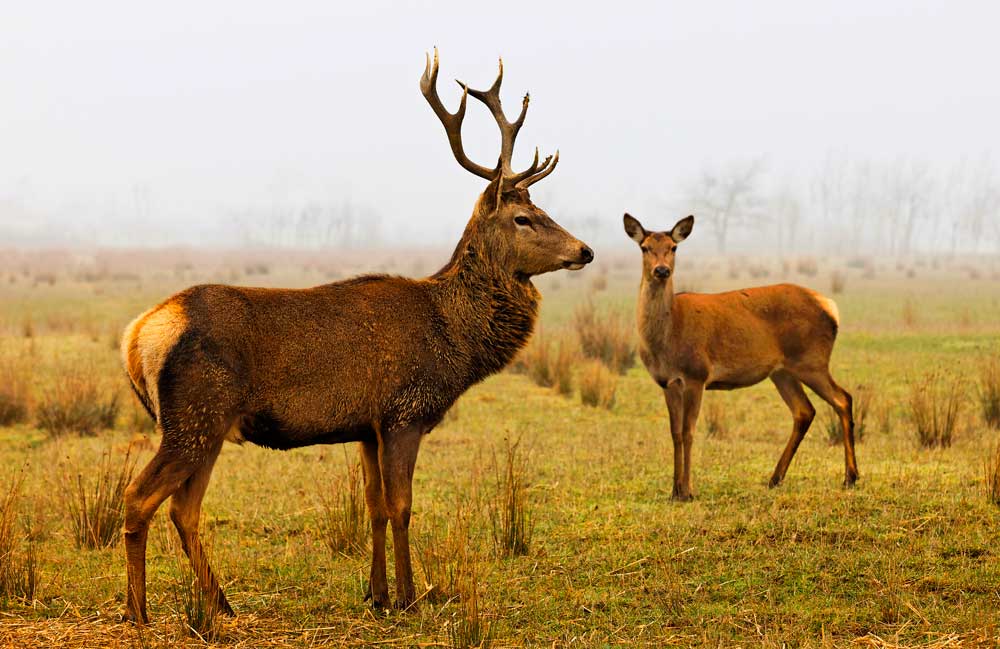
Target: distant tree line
x: 895, y: 207
x: 312, y: 224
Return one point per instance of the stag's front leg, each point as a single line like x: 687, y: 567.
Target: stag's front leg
x: 673, y: 395
x: 398, y: 457
x: 378, y: 585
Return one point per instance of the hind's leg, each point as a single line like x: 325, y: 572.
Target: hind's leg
x: 802, y: 416
x: 185, y: 511
x: 840, y: 399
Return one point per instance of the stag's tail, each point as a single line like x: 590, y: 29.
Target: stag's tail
x: 144, y: 347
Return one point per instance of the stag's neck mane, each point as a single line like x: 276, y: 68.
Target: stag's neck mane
x: 491, y: 311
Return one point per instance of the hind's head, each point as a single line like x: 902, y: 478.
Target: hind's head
x: 659, y: 249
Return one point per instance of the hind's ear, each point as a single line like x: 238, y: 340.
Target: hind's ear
x: 634, y: 229
x: 682, y: 229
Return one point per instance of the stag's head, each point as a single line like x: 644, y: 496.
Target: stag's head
x: 659, y: 249
x: 506, y: 227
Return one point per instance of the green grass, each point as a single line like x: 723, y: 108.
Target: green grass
x: 909, y: 557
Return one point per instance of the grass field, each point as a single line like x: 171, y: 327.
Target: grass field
x: 911, y: 557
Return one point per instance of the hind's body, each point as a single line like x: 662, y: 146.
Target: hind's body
x: 692, y: 342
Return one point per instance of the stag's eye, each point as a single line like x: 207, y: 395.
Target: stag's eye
x: 522, y: 220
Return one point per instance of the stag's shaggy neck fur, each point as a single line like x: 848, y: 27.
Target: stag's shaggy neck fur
x: 491, y: 309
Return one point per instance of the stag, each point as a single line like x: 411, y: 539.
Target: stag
x: 376, y: 360
x: 692, y: 342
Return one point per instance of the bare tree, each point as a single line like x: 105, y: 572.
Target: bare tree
x: 728, y: 198
x: 786, y: 210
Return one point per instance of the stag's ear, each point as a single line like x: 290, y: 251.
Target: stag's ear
x: 682, y: 229
x: 634, y: 229
x: 490, y: 199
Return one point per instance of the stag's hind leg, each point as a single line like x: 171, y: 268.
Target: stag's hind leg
x: 398, y: 456
x: 802, y: 416
x: 185, y: 512
x: 163, y: 476
x: 378, y: 585
x: 840, y: 399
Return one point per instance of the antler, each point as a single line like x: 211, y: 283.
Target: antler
x: 508, y: 130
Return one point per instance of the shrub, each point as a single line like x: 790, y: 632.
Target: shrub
x: 14, y: 392
x: 18, y: 567
x: 344, y: 518
x: 510, y: 521
x: 598, y: 385
x: 838, y: 282
x: 934, y: 406
x: 989, y: 392
x: 605, y: 337
x: 97, y: 513
x: 992, y: 470
x: 807, y: 266
x: 79, y: 404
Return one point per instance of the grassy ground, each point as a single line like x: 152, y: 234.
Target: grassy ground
x: 908, y: 558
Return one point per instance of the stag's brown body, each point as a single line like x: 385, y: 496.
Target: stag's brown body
x: 691, y: 342
x: 375, y: 359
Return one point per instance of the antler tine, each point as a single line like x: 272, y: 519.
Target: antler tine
x: 452, y: 121
x: 508, y: 130
x: 533, y: 169
x: 542, y: 173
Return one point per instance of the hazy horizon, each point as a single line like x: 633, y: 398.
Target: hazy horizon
x: 190, y: 124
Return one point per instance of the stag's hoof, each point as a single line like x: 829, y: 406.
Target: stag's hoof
x: 223, y: 607
x: 403, y: 604
x: 131, y: 617
x: 774, y: 482
x: 682, y: 498
x: 849, y: 480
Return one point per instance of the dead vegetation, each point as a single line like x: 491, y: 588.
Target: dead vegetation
x: 989, y: 392
x: 96, y: 504
x: 605, y: 336
x: 343, y: 520
x: 18, y: 563
x: 598, y: 385
x: 935, y: 402
x: 80, y: 403
x: 509, y: 510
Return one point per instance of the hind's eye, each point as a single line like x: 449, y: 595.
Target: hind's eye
x: 644, y: 249
x: 522, y: 220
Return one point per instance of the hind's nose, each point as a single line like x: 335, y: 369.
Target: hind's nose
x: 661, y: 272
x: 586, y: 255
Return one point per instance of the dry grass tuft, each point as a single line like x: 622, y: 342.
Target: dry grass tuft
x: 78, y: 403
x: 713, y: 413
x: 18, y: 567
x: 606, y: 337
x: 989, y: 392
x: 469, y: 629
x: 15, y: 391
x: 598, y: 385
x: 909, y: 314
x: 441, y: 549
x: 510, y: 521
x: 548, y: 367
x: 97, y: 513
x: 992, y: 470
x: 935, y: 403
x: 343, y: 514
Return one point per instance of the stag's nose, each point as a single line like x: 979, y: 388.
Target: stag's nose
x: 661, y: 272
x: 586, y: 255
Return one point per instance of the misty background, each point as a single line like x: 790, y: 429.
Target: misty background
x: 825, y: 126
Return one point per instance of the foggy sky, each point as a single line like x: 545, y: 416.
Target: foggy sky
x: 145, y: 123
